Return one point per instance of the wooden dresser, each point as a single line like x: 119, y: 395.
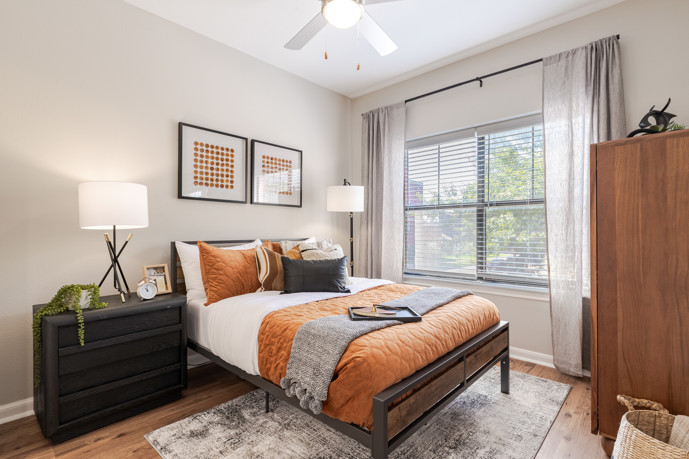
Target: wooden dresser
x: 639, y: 275
x: 134, y: 359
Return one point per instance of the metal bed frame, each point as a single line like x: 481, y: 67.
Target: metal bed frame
x: 403, y: 408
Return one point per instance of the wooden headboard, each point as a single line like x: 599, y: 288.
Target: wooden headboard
x: 177, y: 273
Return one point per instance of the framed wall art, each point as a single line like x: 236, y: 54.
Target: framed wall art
x: 212, y: 165
x: 275, y: 175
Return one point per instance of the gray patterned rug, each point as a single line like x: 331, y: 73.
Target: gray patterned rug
x: 480, y: 423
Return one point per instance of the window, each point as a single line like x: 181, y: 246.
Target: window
x: 474, y: 204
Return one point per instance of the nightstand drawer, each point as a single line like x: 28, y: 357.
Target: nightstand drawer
x: 88, y: 367
x: 118, y: 326
x: 80, y: 404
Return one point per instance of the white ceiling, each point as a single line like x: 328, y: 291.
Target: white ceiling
x: 429, y: 33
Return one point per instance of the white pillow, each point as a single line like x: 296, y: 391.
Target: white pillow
x: 324, y: 244
x: 312, y: 251
x: 287, y: 245
x: 191, y: 265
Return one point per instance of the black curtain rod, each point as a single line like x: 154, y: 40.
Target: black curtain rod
x: 479, y: 79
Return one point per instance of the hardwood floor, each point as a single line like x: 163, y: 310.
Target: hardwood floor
x: 570, y: 435
x: 210, y: 385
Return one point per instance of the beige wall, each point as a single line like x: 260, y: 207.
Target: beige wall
x: 655, y: 67
x: 93, y: 90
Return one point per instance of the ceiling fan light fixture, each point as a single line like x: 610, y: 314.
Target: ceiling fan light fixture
x: 342, y: 14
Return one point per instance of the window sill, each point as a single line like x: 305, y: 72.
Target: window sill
x: 485, y: 288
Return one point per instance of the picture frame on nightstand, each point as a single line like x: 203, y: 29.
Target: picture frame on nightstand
x: 159, y: 275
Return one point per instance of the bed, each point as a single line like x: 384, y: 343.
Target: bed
x: 386, y: 415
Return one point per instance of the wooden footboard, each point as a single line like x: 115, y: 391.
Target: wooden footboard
x: 402, y: 409
x: 409, y: 407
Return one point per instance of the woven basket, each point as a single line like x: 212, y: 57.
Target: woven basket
x: 644, y: 434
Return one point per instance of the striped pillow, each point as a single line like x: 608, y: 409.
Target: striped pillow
x: 270, y: 272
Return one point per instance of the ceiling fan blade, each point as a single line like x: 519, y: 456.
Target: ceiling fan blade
x: 307, y: 33
x: 373, y: 2
x: 376, y: 36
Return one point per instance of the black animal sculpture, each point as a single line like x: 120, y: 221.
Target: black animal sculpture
x: 661, y: 118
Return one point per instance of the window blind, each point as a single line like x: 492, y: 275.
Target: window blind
x: 474, y: 203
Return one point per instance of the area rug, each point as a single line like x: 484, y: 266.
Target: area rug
x: 480, y: 423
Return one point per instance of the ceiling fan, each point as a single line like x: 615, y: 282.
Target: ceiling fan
x: 344, y: 14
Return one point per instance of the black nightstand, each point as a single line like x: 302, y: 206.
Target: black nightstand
x: 134, y: 359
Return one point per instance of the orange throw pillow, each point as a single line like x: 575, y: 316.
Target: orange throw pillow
x: 294, y: 253
x: 227, y: 273
x: 274, y: 246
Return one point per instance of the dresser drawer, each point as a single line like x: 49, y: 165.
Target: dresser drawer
x: 80, y: 404
x: 88, y: 367
x: 117, y: 326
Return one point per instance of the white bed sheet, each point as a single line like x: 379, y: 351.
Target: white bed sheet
x: 229, y: 328
x: 197, y: 321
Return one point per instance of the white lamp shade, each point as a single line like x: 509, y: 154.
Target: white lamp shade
x: 345, y: 198
x: 103, y: 205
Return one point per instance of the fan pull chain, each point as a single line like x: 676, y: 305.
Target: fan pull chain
x: 326, y: 43
x: 358, y: 61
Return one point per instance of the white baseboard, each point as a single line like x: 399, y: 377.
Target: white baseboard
x: 16, y: 410
x: 537, y: 358
x: 532, y: 357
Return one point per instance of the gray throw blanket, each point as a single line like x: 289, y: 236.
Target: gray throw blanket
x: 320, y: 343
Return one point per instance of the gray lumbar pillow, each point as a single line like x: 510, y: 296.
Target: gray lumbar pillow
x: 313, y: 251
x: 315, y: 275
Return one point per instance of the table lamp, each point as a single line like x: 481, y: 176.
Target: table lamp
x: 347, y: 198
x: 116, y: 205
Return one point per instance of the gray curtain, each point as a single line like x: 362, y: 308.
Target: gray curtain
x: 583, y: 103
x: 381, y: 240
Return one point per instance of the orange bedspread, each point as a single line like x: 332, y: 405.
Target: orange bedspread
x: 379, y: 359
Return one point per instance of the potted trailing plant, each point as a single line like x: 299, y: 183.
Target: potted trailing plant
x: 74, y: 296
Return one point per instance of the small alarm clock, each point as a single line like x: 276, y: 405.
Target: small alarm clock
x: 146, y: 289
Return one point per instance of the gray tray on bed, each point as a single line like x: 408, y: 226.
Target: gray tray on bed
x: 403, y: 314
